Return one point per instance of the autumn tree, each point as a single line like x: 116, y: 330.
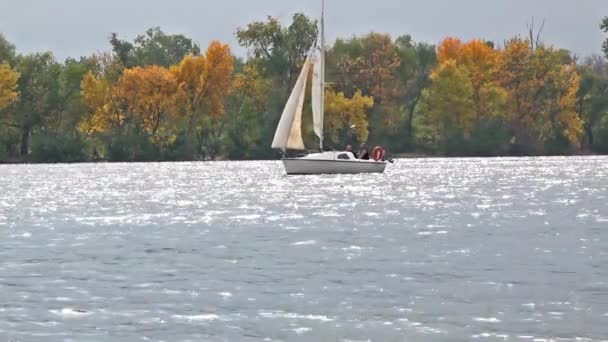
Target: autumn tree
x: 367, y: 64
x: 148, y: 96
x: 542, y: 86
x: 99, y: 95
x: 464, y: 96
x: 135, y: 109
x: 8, y: 86
x: 346, y: 118
x: 447, y: 106
x: 7, y: 134
x: 203, y: 83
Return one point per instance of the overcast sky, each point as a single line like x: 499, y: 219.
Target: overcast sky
x: 81, y: 27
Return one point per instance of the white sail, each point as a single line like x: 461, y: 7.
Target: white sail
x: 318, y: 82
x: 289, y: 131
x: 318, y: 88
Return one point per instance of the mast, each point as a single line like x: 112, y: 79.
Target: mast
x: 322, y: 55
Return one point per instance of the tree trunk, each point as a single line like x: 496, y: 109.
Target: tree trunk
x: 590, y: 137
x: 410, y: 119
x: 25, y: 141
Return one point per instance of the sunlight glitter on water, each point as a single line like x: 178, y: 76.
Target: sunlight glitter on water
x: 433, y: 250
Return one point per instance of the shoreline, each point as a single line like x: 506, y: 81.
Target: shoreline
x: 396, y: 156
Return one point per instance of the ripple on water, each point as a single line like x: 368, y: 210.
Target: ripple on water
x: 294, y: 316
x: 71, y: 313
x: 305, y: 243
x: 435, y: 249
x: 487, y: 319
x: 196, y: 318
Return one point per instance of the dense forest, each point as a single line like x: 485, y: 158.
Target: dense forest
x: 162, y: 97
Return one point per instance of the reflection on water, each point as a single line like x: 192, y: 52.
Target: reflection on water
x: 433, y: 250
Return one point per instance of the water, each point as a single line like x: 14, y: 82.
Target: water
x: 434, y: 250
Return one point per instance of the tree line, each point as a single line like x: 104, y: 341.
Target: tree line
x: 163, y: 97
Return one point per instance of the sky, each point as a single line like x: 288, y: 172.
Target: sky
x: 74, y: 28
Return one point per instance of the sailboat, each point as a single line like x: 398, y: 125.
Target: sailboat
x: 288, y: 135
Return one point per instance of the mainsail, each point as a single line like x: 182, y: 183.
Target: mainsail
x: 318, y: 87
x: 289, y: 131
x: 318, y: 82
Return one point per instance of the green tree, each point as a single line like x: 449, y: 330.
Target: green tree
x: 280, y: 51
x: 38, y: 90
x: 592, y: 100
x: 417, y: 63
x: 448, y: 108
x: 7, y: 51
x: 246, y: 109
x: 69, y: 107
x: 155, y: 47
x: 604, y: 27
x: 278, y: 54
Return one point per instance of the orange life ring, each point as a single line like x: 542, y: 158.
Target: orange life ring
x: 378, y: 153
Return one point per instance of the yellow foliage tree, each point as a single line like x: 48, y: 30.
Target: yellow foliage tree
x: 532, y: 90
x: 148, y: 95
x: 220, y: 65
x: 100, y: 97
x: 448, y: 103
x: 143, y: 97
x: 464, y: 88
x: 204, y: 82
x: 542, y: 88
x: 344, y: 114
x: 8, y: 86
x: 251, y: 85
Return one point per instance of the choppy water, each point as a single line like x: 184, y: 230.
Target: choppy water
x: 434, y: 250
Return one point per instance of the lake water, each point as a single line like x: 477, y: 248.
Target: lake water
x: 433, y: 250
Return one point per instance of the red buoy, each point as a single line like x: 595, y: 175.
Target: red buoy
x: 378, y: 153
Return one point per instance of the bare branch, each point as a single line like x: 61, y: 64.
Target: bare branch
x: 540, y: 32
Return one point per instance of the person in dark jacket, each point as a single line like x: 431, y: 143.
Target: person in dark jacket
x: 349, y: 148
x: 363, y: 152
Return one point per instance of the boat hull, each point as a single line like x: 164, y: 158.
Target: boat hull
x: 329, y: 167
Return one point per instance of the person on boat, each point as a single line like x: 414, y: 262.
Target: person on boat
x: 363, y: 152
x: 349, y: 148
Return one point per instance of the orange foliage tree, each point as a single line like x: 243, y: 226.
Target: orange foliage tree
x: 142, y: 97
x: 148, y: 95
x: 203, y: 83
x: 532, y: 91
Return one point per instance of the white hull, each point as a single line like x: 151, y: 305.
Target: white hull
x: 320, y: 167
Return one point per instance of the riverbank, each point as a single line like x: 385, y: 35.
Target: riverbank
x: 394, y: 156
